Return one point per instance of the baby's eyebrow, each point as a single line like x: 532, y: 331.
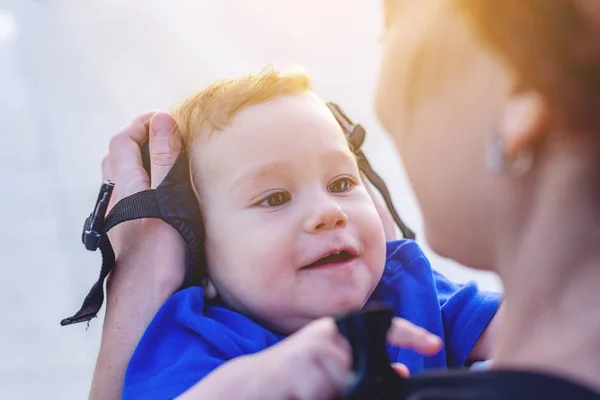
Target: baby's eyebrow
x: 286, y: 168
x: 263, y: 172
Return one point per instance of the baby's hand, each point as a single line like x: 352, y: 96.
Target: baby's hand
x: 315, y: 362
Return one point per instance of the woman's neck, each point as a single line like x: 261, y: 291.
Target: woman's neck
x: 551, y: 276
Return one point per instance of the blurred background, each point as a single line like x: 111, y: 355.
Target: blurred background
x: 72, y: 72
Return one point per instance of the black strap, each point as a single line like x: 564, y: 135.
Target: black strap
x: 372, y: 377
x: 493, y: 385
x: 143, y: 204
x: 355, y: 134
x: 139, y: 205
x: 376, y: 180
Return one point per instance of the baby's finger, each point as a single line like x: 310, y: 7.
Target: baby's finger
x: 406, y: 334
x: 401, y: 370
x: 335, y: 363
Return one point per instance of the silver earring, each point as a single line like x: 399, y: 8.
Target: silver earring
x: 498, y: 163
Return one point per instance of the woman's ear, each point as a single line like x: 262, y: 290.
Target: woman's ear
x: 210, y: 291
x: 525, y: 122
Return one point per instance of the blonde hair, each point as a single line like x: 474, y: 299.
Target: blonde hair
x: 213, y: 107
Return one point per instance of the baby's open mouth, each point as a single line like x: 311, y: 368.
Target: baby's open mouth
x: 335, y: 258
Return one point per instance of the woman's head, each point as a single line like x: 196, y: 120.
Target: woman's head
x: 492, y: 107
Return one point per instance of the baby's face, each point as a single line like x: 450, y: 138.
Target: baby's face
x: 292, y: 235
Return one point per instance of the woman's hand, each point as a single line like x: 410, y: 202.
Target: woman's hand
x: 123, y: 166
x: 150, y: 254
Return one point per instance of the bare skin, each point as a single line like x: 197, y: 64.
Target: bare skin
x: 537, y: 227
x: 144, y: 277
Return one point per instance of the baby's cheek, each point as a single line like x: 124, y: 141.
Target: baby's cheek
x: 372, y: 223
x: 372, y: 236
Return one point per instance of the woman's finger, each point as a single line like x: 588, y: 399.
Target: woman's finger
x: 124, y: 150
x: 126, y: 167
x: 139, y: 136
x: 406, y: 334
x: 165, y: 145
x: 124, y: 147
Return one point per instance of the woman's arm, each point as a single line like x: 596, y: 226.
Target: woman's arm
x: 150, y: 254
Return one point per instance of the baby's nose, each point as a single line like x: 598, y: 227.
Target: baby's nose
x: 328, y: 216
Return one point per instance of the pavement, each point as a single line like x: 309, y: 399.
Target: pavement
x: 72, y: 72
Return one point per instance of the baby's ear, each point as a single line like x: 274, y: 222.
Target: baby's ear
x: 210, y: 291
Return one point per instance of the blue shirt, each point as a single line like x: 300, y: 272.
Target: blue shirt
x: 187, y: 339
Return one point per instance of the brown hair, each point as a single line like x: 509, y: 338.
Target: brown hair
x: 554, y: 47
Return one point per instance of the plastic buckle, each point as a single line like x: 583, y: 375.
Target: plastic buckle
x: 91, y: 236
x: 355, y: 133
x: 371, y: 376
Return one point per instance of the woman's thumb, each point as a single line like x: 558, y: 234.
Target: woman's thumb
x: 165, y: 145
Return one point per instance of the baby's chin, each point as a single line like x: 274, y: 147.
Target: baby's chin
x: 337, y: 304
x: 343, y: 298
x: 334, y: 306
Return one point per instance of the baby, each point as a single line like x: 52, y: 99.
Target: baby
x: 292, y: 236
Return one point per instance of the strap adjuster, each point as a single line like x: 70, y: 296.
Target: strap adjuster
x: 95, y: 229
x: 355, y: 133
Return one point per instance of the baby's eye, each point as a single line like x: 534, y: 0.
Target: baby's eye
x: 275, y: 199
x: 342, y: 185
